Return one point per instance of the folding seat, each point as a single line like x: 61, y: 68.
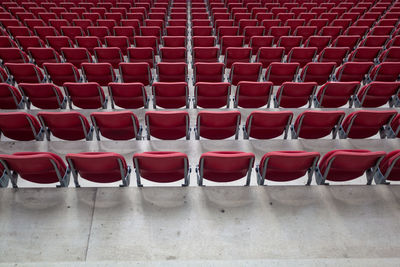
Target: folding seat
x: 307, y: 16
x: 223, y: 22
x: 395, y: 41
x: 109, y: 23
x: 76, y: 55
x: 100, y: 10
x: 168, y: 125
x: 10, y: 97
x: 78, y: 10
x: 69, y: 16
x: 91, y: 16
x: 176, y: 30
x: 174, y: 41
x: 336, y: 94
x: 365, y: 54
x: 44, y: 95
x: 58, y: 23
x: 20, y: 126
x: 237, y: 54
x: 243, y: 23
x: 162, y: 167
x: 295, y: 95
x: 112, y: 55
x: 172, y: 72
x: 381, y: 30
x: 83, y: 23
x: 227, y: 30
x: 128, y: 95
x: 43, y: 31
x: 147, y: 41
x: 5, y: 41
x: 25, y: 72
x: 154, y: 23
x: 141, y: 54
x: 225, y: 166
x: 58, y: 42
x: 118, y: 41
x: 102, y: 73
x: 366, y: 123
x: 72, y: 31
x: 13, y: 24
x: 349, y: 41
x: 202, y: 31
x: 268, y: 23
x: 267, y: 124
x: 391, y: 54
x: 344, y: 23
x: 170, y: 94
x: 365, y: 22
x: 117, y: 17
x: 385, y: 72
x: 333, y: 54
x: 100, y: 31
x: 268, y: 55
x: 245, y: 72
x: 205, y: 54
x: 250, y: 31
x: 42, y: 55
x: 182, y: 22
x: 85, y: 95
x: 203, y: 41
x: 208, y: 72
x: 32, y: 23
x: 376, y: 94
x: 46, y: 16
x: 387, y: 22
x: 99, y: 167
x: 353, y: 71
x: 283, y: 166
x: 388, y: 168
x: 344, y: 165
x: 59, y: 73
x: 237, y: 17
x: 151, y: 31
x: 281, y: 72
x: 35, y: 167
x: 156, y: 15
x: 285, y: 16
x: 231, y: 41
x: 123, y: 31
x: 319, y: 72
x: 260, y: 41
x: 313, y: 124
x: 301, y: 55
x: 178, y: 15
x: 116, y: 125
x: 294, y: 23
x: 58, y: 10
x: 133, y: 18
x: 360, y: 31
x: 13, y: 55
x: 173, y: 54
x: 211, y: 94
x: 332, y: 31
x: 288, y: 42
x: 88, y: 42
x: 277, y: 10
x: 217, y: 125
x: 253, y: 94
x: 277, y: 32
x: 318, y: 24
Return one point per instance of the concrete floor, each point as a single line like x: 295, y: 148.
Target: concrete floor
x: 175, y: 226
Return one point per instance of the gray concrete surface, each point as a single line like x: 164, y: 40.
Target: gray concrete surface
x: 315, y: 224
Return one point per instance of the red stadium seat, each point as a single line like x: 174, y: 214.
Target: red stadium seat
x: 43, y: 95
x: 301, y: 55
x: 168, y: 125
x: 208, y: 72
x: 245, y: 72
x: 13, y: 55
x: 319, y: 72
x: 366, y: 123
x: 29, y: 41
x: 112, y: 55
x: 231, y: 41
x: 99, y: 167
x: 20, y: 126
x: 170, y: 94
x: 116, y: 125
x: 268, y: 55
x: 256, y: 42
x: 283, y: 166
x: 388, y: 168
x: 376, y: 94
x: 278, y: 73
x: 44, y: 55
x: 225, y: 166
x: 385, y: 72
x: 25, y: 72
x: 345, y: 165
x: 70, y: 125
x: 59, y: 73
x: 211, y: 95
x: 295, y: 95
x: 88, y: 42
x: 58, y: 42
x: 173, y: 54
x: 10, y: 97
x: 162, y: 167
x: 333, y: 54
x: 262, y: 124
x: 217, y: 125
x: 172, y: 72
x: 336, y: 94
x: 353, y: 71
x: 313, y: 124
x: 135, y: 72
x: 237, y: 54
x: 76, y: 55
x: 203, y: 41
x: 85, y: 95
x: 122, y: 42
x: 36, y: 167
x: 102, y: 73
x: 128, y: 95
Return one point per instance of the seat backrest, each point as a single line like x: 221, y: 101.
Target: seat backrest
x: 10, y: 97
x: 116, y: 125
x: 172, y: 72
x: 86, y: 95
x: 70, y: 125
x: 253, y: 94
x: 170, y: 94
x: 135, y: 72
x: 62, y: 72
x: 294, y: 95
x: 25, y: 72
x: 212, y: 95
x: 161, y: 166
x: 128, y: 95
x: 225, y: 166
x: 20, y: 126
x: 43, y: 95
x: 98, y: 167
x: 262, y: 124
x: 36, y: 167
x: 218, y: 124
x: 336, y: 94
x: 167, y: 125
